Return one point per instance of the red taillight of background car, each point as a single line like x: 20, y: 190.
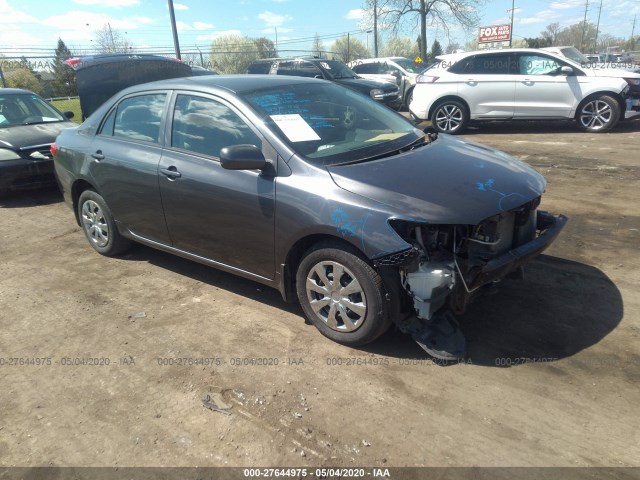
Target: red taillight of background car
x: 73, y: 62
x: 54, y: 149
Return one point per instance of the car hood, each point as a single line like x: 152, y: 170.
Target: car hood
x: 612, y: 72
x: 367, y: 84
x: 21, y: 136
x: 449, y: 181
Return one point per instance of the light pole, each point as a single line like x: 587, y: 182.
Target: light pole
x: 513, y: 7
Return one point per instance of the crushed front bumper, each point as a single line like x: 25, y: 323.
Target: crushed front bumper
x: 548, y: 226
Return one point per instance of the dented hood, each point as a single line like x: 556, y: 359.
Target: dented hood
x: 450, y: 181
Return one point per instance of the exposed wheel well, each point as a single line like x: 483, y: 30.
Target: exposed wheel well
x: 617, y: 96
x: 76, y: 190
x: 297, y: 251
x: 448, y: 97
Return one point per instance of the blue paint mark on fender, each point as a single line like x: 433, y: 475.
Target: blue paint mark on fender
x: 505, y: 198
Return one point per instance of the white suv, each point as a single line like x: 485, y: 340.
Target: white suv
x: 398, y: 70
x: 522, y: 84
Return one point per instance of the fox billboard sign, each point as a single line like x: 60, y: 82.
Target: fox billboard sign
x: 495, y: 33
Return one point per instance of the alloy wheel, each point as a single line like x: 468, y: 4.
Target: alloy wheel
x: 95, y: 223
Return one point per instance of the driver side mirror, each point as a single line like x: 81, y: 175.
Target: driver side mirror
x: 565, y: 70
x: 242, y: 157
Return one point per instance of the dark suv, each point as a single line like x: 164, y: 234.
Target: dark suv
x: 333, y: 70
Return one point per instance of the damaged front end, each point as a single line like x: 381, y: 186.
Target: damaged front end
x: 448, y: 265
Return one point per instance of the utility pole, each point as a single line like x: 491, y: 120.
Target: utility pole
x: 513, y: 4
x: 176, y: 44
x: 375, y: 29
x: 595, y: 42
x: 633, y: 31
x: 112, y: 47
x: 584, y: 25
x: 348, y: 47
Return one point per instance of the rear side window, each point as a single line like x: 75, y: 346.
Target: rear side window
x: 138, y: 118
x: 367, y: 68
x: 205, y: 126
x: 484, y: 65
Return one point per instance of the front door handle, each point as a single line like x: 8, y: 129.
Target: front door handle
x: 171, y: 172
x: 98, y: 155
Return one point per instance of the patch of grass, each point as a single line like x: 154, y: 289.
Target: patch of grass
x: 72, y: 104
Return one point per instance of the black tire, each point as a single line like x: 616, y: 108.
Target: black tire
x: 98, y: 225
x: 407, y: 98
x: 598, y: 114
x: 359, y: 309
x: 450, y: 116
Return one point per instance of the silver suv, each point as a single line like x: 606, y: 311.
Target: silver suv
x: 398, y: 70
x: 522, y: 84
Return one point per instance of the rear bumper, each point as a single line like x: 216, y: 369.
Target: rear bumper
x: 549, y: 227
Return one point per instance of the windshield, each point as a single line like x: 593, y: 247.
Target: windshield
x: 409, y: 65
x: 328, y: 124
x: 26, y: 109
x: 336, y: 69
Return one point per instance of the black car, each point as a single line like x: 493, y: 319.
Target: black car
x: 310, y: 188
x: 99, y: 77
x: 28, y: 127
x: 332, y: 70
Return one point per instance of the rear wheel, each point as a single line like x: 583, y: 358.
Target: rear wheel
x: 342, y: 295
x: 98, y: 225
x: 598, y: 114
x: 449, y: 116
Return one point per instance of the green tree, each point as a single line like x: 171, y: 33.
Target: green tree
x: 266, y: 48
x: 350, y: 48
x: 23, y: 77
x: 436, y: 50
x: 64, y: 82
x: 538, y: 42
x: 401, y: 47
x: 551, y: 34
x: 233, y: 53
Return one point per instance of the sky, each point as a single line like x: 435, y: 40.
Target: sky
x: 34, y: 26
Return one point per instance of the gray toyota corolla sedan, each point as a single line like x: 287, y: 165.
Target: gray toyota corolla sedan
x: 310, y: 188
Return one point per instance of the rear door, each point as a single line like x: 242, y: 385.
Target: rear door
x: 542, y: 91
x: 126, y: 153
x: 487, y: 84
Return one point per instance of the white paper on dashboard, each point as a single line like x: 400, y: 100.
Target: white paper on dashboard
x: 295, y: 128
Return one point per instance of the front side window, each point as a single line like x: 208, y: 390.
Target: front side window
x: 205, y: 126
x: 138, y: 118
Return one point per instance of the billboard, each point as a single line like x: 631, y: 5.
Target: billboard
x: 495, y: 33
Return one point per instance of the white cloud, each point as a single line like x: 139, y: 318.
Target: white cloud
x: 202, y: 26
x: 356, y: 14
x: 274, y: 19
x: 109, y: 3
x: 212, y: 36
x: 180, y: 6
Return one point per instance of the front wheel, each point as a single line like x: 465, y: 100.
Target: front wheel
x: 342, y: 295
x: 98, y: 225
x: 449, y: 116
x: 599, y: 114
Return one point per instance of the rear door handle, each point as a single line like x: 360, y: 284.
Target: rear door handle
x: 171, y: 172
x: 98, y: 155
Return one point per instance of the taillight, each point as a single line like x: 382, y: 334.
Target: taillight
x: 73, y: 62
x: 54, y: 149
x: 426, y: 79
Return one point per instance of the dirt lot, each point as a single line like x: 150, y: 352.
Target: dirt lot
x: 551, y: 379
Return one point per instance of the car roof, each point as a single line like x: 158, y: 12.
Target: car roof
x: 15, y: 91
x: 232, y: 83
x: 458, y: 56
